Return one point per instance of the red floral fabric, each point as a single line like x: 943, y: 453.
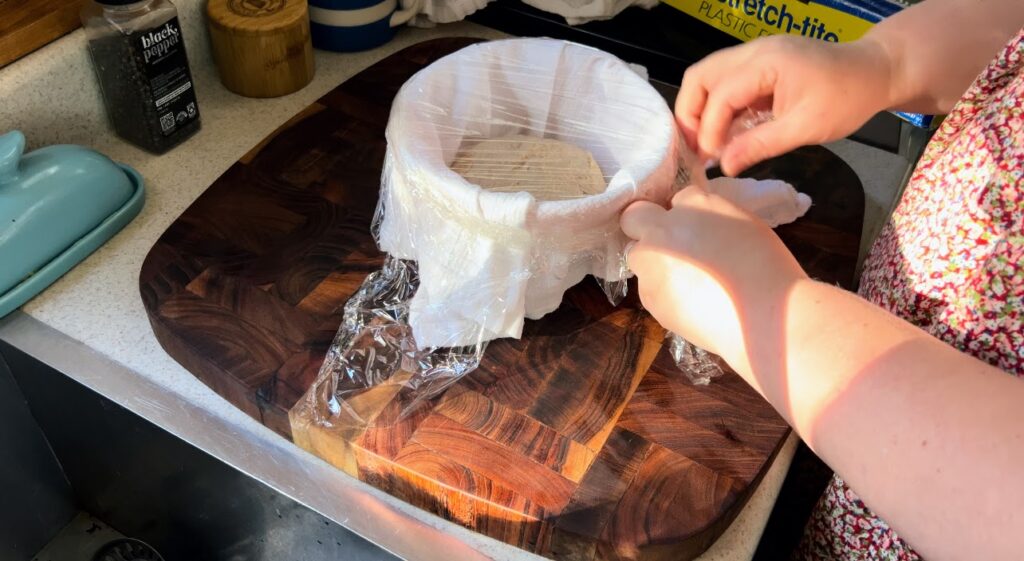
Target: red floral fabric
x: 951, y: 260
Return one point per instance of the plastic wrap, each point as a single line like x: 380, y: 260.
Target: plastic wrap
x: 698, y: 365
x: 489, y: 259
x: 374, y: 355
x: 508, y: 165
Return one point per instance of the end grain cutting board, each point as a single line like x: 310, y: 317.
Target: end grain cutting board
x: 579, y: 441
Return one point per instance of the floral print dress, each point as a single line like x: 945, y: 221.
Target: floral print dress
x: 951, y: 261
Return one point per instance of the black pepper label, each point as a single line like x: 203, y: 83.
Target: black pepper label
x: 161, y: 51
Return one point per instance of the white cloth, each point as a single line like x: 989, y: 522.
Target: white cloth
x: 776, y: 202
x: 445, y: 11
x: 575, y: 12
x: 488, y: 260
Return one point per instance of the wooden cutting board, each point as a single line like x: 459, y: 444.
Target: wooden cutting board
x: 582, y: 440
x: 26, y: 25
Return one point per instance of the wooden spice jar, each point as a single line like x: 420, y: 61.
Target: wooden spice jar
x: 262, y: 47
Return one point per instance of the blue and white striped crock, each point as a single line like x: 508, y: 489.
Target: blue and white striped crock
x: 356, y: 25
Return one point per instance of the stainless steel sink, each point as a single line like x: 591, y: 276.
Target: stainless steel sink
x: 70, y: 459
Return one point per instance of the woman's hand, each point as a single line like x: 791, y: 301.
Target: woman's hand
x: 885, y: 404
x: 817, y: 91
x: 705, y: 267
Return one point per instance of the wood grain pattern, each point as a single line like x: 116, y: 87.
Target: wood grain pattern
x: 26, y: 25
x: 262, y: 49
x: 581, y: 440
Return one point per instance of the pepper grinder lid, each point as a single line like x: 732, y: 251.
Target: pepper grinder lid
x: 118, y: 2
x: 262, y: 47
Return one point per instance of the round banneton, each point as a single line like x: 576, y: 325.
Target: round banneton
x: 544, y: 88
x: 488, y: 259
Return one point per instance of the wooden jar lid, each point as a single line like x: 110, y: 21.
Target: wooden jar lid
x: 262, y: 47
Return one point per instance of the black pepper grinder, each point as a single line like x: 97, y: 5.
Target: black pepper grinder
x: 139, y: 54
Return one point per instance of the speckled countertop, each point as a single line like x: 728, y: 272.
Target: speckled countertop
x: 51, y: 95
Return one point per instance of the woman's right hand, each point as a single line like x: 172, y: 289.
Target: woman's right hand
x: 817, y: 91
x: 706, y: 268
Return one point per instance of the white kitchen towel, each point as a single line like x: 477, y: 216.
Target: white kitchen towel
x: 578, y: 12
x: 445, y: 11
x: 488, y: 260
x: 774, y: 201
x: 575, y: 12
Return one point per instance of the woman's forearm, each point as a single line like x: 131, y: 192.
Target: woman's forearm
x: 930, y: 437
x: 929, y: 75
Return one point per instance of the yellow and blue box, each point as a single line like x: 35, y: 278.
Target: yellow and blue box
x: 826, y: 20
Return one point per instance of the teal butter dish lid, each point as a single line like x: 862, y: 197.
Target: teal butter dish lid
x: 57, y: 205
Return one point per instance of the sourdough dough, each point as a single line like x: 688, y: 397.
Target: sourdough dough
x: 548, y: 169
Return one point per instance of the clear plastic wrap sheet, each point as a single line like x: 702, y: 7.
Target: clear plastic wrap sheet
x: 700, y: 366
x: 508, y: 165
x: 374, y: 352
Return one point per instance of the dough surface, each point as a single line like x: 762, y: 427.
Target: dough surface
x: 548, y: 169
